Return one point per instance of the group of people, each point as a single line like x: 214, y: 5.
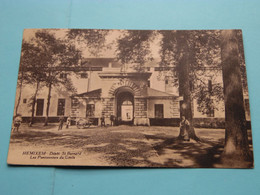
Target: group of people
x: 68, y: 121
x: 61, y: 122
x: 184, y: 124
x: 112, y: 120
x: 17, y: 120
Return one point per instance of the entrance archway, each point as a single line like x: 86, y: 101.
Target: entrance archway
x: 125, y: 107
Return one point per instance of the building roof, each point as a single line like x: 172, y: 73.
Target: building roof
x: 104, y: 62
x: 156, y: 93
x: 93, y: 94
x: 143, y: 75
x: 99, y: 62
x: 151, y: 93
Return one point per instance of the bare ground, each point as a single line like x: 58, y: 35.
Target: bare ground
x: 131, y: 146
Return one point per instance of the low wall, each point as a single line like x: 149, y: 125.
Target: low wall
x: 197, y: 122
x: 218, y: 123
x: 53, y: 119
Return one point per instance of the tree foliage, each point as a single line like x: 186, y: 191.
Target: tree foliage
x: 92, y: 39
x: 44, y: 58
x: 134, y: 48
x: 189, y: 54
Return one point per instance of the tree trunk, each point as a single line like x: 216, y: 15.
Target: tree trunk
x: 184, y: 82
x: 48, y: 105
x: 236, y: 147
x: 34, y: 102
x: 20, y: 94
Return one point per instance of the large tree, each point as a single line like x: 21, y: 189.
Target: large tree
x: 54, y: 57
x: 183, y: 46
x: 31, y: 69
x: 236, y: 139
x: 178, y: 52
x: 20, y: 82
x: 23, y: 74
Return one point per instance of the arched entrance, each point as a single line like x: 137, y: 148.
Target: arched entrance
x: 124, y: 107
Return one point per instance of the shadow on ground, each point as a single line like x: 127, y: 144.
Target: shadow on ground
x: 129, y: 146
x: 188, y: 153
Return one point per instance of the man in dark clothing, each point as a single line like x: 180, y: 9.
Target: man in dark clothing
x: 102, y: 121
x: 112, y: 119
x: 61, y: 120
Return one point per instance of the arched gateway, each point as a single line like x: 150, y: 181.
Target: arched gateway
x: 126, y: 97
x: 124, y: 101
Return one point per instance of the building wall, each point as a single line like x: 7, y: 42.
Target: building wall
x: 170, y: 108
x: 28, y: 91
x: 158, y: 82
x: 79, y: 107
x: 143, y: 108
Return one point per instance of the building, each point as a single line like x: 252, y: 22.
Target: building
x: 104, y: 88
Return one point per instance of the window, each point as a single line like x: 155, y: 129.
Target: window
x: 63, y: 75
x: 90, y: 112
x: 148, y: 83
x: 210, y: 85
x: 127, y: 102
x: 158, y: 108
x: 61, y: 107
x: 24, y: 100
x: 210, y: 112
x: 84, y: 75
x: 39, y: 107
x: 166, y: 82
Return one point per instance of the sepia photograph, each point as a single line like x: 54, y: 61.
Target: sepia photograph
x: 132, y: 98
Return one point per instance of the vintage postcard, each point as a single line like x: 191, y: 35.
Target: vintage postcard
x: 132, y: 98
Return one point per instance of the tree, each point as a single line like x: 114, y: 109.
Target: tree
x: 30, y: 69
x: 184, y: 60
x: 92, y: 39
x: 236, y: 138
x: 176, y: 52
x: 53, y: 57
x: 134, y: 48
x: 20, y: 81
x: 22, y: 74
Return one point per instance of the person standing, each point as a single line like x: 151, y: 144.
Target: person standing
x: 112, y: 119
x: 184, y: 129
x: 102, y: 120
x: 61, y: 120
x: 68, y: 122
x: 17, y: 122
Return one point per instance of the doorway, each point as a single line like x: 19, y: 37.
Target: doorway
x: 125, y: 108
